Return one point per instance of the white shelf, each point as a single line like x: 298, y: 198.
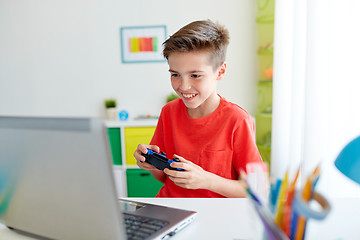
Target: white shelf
x: 120, y: 170
x: 131, y: 123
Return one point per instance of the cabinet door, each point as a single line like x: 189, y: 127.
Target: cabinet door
x: 133, y: 137
x: 115, y: 145
x: 141, y: 183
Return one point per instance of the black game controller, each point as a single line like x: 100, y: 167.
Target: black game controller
x: 159, y: 160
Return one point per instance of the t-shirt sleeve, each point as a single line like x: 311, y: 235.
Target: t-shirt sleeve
x: 245, y: 149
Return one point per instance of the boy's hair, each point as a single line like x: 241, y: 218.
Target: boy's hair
x: 198, y: 36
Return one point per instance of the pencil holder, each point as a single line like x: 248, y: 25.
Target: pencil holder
x: 302, y: 212
x: 290, y: 220
x: 294, y: 226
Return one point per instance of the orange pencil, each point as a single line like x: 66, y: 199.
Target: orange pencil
x: 288, y: 206
x: 306, y: 194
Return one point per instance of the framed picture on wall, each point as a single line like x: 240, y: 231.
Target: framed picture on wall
x: 142, y: 44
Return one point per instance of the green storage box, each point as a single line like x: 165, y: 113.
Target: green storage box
x: 115, y: 145
x: 141, y: 183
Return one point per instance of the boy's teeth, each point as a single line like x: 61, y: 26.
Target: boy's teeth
x: 189, y: 95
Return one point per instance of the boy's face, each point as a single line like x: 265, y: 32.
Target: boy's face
x: 194, y: 79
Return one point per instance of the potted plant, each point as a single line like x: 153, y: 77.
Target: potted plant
x: 110, y: 109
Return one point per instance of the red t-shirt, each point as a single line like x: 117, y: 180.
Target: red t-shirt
x: 222, y: 142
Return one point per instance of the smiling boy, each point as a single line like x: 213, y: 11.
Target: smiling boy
x: 213, y: 138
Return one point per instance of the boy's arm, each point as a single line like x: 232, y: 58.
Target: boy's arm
x: 194, y: 177
x: 158, y: 175
x: 226, y: 187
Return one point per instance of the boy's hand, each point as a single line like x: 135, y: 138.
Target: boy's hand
x: 140, y: 159
x: 193, y: 176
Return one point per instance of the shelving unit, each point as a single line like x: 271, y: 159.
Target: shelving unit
x: 265, y: 30
x: 124, y: 137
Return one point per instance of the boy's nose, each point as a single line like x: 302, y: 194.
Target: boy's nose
x: 185, y: 84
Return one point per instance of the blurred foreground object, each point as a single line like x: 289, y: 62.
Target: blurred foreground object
x: 348, y: 161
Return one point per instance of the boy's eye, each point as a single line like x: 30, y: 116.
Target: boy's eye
x: 195, y: 75
x: 174, y: 74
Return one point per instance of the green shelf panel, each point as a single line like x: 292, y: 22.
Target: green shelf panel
x: 115, y: 145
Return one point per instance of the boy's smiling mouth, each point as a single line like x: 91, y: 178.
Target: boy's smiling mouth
x: 189, y: 95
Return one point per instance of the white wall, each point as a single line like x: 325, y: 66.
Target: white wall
x: 62, y: 57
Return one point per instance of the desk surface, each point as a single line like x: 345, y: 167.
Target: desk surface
x: 216, y: 219
x: 235, y: 219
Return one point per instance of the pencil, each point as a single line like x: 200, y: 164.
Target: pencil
x: 306, y: 195
x: 281, y: 200
x: 287, y: 221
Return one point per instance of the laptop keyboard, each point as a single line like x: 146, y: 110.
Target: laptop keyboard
x: 141, y: 227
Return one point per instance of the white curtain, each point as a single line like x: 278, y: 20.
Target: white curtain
x: 316, y: 89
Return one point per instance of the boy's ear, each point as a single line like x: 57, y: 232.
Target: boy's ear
x: 221, y: 71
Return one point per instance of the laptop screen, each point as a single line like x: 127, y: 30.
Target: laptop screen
x: 56, y: 178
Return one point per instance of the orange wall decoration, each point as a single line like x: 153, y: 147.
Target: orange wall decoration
x: 143, y: 44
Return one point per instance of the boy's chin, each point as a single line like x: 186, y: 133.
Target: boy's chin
x: 191, y: 106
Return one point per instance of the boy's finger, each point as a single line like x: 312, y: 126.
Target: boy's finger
x: 182, y: 159
x: 181, y: 165
x: 154, y: 148
x: 174, y: 173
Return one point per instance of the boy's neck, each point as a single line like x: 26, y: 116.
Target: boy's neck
x: 205, y: 109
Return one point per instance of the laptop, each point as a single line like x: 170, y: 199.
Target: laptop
x: 56, y: 182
